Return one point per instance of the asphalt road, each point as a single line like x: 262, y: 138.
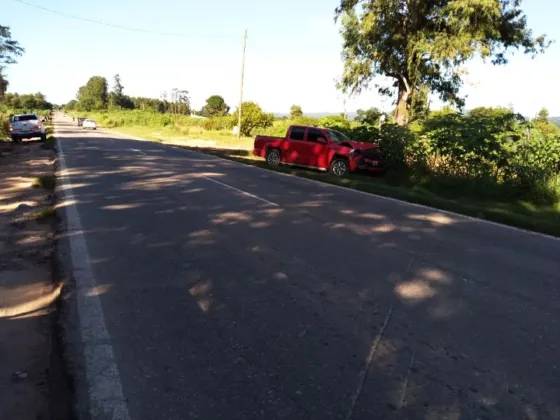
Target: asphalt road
x: 230, y: 292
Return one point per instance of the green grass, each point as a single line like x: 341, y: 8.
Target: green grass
x: 218, y: 139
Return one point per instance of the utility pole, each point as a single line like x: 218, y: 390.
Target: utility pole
x: 242, y: 79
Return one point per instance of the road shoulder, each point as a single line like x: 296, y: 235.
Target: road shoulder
x: 32, y: 384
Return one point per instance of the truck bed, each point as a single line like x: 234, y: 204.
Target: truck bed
x: 261, y: 142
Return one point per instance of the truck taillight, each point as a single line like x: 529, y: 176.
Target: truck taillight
x: 10, y: 127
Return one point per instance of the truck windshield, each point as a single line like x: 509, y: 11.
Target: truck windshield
x: 337, y: 136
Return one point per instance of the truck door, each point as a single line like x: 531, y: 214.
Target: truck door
x: 317, y: 149
x: 294, y: 147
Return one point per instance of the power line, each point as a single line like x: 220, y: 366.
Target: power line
x: 111, y: 25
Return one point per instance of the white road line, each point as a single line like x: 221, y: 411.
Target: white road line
x: 106, y: 397
x: 138, y: 151
x: 256, y: 197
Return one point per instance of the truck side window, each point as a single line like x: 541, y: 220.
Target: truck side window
x: 313, y: 134
x: 297, y: 133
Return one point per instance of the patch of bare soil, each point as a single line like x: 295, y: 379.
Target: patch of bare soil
x: 27, y: 292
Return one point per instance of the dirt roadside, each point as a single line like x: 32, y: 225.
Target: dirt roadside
x: 32, y: 379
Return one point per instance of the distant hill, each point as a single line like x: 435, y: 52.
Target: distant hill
x: 555, y: 120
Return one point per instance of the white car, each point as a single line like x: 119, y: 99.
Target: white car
x: 89, y: 124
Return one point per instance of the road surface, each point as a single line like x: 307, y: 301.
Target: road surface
x: 225, y: 291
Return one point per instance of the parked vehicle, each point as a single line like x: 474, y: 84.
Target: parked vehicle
x: 81, y: 120
x: 319, y: 148
x: 87, y: 123
x: 26, y: 126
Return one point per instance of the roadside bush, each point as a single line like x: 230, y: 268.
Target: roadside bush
x: 252, y: 117
x: 218, y: 123
x: 306, y: 121
x: 489, y: 153
x: 396, y: 144
x: 533, y: 168
x: 335, y: 122
x: 4, y: 121
x: 278, y: 129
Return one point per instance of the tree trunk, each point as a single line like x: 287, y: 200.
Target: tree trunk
x: 401, y: 113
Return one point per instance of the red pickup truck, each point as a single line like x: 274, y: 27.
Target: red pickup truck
x: 319, y: 148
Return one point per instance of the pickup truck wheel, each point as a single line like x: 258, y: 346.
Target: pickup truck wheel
x: 15, y: 139
x: 43, y: 137
x: 273, y: 157
x: 339, y: 167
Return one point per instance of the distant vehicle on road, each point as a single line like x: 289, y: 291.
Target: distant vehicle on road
x: 319, y: 148
x: 26, y: 126
x: 81, y: 120
x: 87, y: 123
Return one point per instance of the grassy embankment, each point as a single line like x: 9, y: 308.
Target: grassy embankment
x: 176, y: 129
x: 180, y: 131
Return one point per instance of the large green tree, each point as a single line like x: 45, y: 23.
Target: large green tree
x: 252, y: 117
x: 27, y: 101
x: 295, y: 112
x: 426, y: 43
x: 93, y: 95
x: 117, y: 98
x: 215, y: 107
x: 542, y: 116
x: 542, y: 122
x: 369, y: 116
x: 3, y: 84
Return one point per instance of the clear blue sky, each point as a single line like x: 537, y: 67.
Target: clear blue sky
x: 293, y: 53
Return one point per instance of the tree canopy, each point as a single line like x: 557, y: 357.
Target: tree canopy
x: 252, y: 117
x: 93, y: 95
x: 180, y: 102
x: 420, y: 43
x: 370, y: 116
x: 116, y: 98
x: 295, y: 112
x: 9, y: 50
x: 542, y: 122
x: 26, y: 101
x: 543, y: 115
x: 215, y: 107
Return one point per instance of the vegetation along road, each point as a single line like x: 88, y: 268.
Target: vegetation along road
x: 214, y: 290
